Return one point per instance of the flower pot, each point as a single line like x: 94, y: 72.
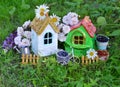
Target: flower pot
x: 102, y: 42
x: 103, y: 54
x: 63, y: 57
x: 25, y: 50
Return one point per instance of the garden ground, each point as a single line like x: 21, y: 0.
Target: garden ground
x: 49, y: 73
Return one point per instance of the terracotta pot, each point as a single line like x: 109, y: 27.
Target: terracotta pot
x: 103, y: 54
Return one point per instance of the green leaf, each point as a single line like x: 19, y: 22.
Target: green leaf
x: 24, y: 5
x: 115, y: 33
x: 12, y: 10
x: 101, y: 21
x: 34, y: 83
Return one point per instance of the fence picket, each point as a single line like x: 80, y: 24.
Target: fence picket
x: 86, y: 61
x: 32, y: 59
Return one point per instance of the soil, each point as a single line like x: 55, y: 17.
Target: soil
x: 102, y: 39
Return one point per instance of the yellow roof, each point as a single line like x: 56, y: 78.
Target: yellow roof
x: 39, y: 25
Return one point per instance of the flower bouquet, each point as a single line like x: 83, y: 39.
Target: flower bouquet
x: 18, y: 39
x: 23, y: 38
x: 69, y: 20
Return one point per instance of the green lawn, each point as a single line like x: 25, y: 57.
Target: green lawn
x: 49, y: 73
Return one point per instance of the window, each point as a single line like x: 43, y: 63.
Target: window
x: 48, y: 38
x: 78, y: 39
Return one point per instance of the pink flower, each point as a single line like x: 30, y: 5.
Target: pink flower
x: 66, y: 29
x: 74, y: 21
x: 26, y: 24
x: 70, y: 19
x: 66, y: 20
x: 24, y: 42
x: 72, y: 14
x: 20, y: 31
x: 60, y: 26
x: 27, y: 34
x: 61, y: 37
x: 17, y: 40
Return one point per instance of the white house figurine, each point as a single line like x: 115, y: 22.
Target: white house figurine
x: 44, y: 37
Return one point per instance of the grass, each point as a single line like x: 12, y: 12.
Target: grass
x: 49, y: 73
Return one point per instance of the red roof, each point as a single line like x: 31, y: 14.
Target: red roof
x: 86, y: 22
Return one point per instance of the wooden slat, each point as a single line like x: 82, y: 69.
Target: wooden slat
x: 86, y: 61
x: 32, y: 59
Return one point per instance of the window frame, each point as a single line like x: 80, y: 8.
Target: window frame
x: 81, y: 35
x: 48, y: 38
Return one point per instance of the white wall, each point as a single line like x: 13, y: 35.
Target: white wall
x: 34, y: 38
x: 47, y: 49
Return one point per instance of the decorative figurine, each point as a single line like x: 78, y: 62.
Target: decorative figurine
x: 63, y: 57
x: 44, y: 32
x: 81, y: 37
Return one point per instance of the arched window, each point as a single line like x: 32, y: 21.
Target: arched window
x: 78, y: 38
x: 48, y: 38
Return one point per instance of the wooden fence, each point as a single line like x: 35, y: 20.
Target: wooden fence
x: 30, y: 59
x: 86, y: 60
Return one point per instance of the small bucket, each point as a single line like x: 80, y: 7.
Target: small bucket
x: 102, y: 42
x: 25, y: 50
x: 63, y: 57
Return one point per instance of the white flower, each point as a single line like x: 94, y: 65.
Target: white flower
x: 17, y: 40
x: 91, y: 54
x: 27, y: 34
x: 55, y: 19
x: 26, y: 24
x: 73, y: 21
x: 41, y: 15
x: 61, y: 37
x: 20, y: 31
x: 24, y: 42
x: 66, y: 29
x: 66, y: 20
x: 41, y: 11
x: 42, y: 8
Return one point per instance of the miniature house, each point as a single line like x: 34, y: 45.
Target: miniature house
x: 81, y: 37
x: 44, y: 37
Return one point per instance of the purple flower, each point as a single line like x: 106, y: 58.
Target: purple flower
x: 8, y: 43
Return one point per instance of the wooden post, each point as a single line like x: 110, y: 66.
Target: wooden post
x: 33, y: 60
x: 37, y: 59
x: 23, y: 56
x: 82, y: 60
x: 27, y: 58
x: 90, y: 61
x: 30, y: 58
x: 97, y: 59
x: 86, y: 60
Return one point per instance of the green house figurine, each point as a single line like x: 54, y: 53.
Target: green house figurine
x: 81, y: 37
